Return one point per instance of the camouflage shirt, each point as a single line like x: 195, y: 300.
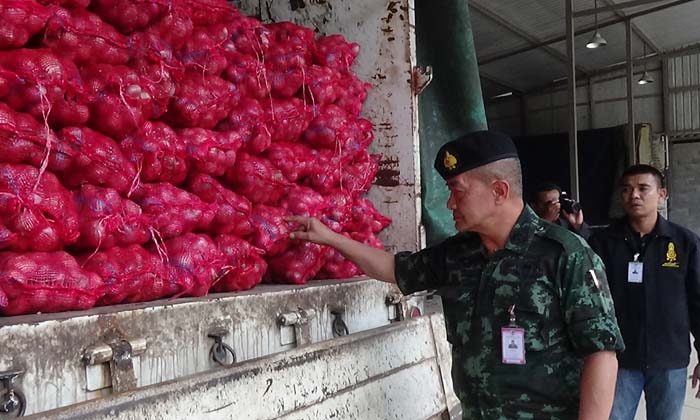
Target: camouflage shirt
x: 561, y: 299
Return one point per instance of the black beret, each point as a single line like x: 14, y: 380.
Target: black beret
x: 473, y: 150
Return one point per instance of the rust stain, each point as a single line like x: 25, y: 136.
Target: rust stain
x: 388, y: 174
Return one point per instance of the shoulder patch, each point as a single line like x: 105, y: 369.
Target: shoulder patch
x: 568, y: 240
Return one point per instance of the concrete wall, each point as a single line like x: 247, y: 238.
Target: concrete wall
x: 546, y: 112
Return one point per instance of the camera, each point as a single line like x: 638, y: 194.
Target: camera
x: 569, y: 205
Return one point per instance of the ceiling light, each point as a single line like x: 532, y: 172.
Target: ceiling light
x: 645, y: 79
x: 646, y: 76
x: 597, y: 41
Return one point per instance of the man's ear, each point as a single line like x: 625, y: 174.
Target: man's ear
x: 663, y: 193
x: 501, y: 190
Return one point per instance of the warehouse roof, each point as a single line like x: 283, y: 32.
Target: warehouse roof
x: 521, y: 46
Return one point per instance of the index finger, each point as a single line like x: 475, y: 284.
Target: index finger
x: 300, y: 220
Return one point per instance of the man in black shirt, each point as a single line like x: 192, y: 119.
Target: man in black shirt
x: 545, y: 202
x: 653, y: 268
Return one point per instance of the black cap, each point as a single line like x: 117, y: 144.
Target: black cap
x: 473, y: 150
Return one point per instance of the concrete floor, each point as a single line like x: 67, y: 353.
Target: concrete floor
x: 691, y: 410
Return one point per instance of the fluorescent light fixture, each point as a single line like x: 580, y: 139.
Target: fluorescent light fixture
x: 502, y: 95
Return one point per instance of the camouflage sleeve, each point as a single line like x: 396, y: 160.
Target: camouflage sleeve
x: 587, y: 304
x: 420, y: 270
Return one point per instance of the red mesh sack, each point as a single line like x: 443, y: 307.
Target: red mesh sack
x: 334, y: 52
x: 297, y: 265
x: 120, y: 99
x: 288, y: 118
x: 257, y: 180
x: 129, y: 15
x: 304, y: 201
x: 232, y: 210
x: 108, y: 220
x: 95, y: 159
x: 174, y: 27
x: 358, y: 175
x: 204, y: 52
x: 24, y: 140
x: 6, y: 237
x: 335, y: 129
x: 244, y: 268
x: 366, y: 218
x: 201, y: 101
x: 250, y: 122
x: 44, y: 85
x: 82, y: 37
x: 21, y: 20
x: 195, y: 257
x: 45, y: 282
x: 42, y: 215
x: 156, y: 66
x: 337, y: 212
x: 248, y: 73
x: 211, y: 152
x: 338, y: 267
x: 173, y: 211
x: 68, y: 4
x: 207, y: 12
x: 354, y: 94
x: 129, y: 274
x: 287, y: 58
x: 326, y: 129
x: 250, y: 36
x: 325, y: 171
x: 294, y: 160
x: 271, y: 231
x: 158, y: 153
x: 322, y: 86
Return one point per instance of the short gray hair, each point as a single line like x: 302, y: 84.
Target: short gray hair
x: 505, y: 169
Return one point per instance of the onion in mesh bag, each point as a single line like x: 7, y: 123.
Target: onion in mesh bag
x: 108, y: 220
x: 297, y: 265
x: 196, y: 257
x: 45, y: 282
x: 95, y: 159
x: 245, y: 266
x: 129, y: 274
x: 173, y: 211
x: 232, y: 210
x: 41, y: 214
x: 257, y: 179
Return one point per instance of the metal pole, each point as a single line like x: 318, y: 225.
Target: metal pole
x: 630, y: 94
x: 591, y: 104
x: 664, y: 89
x: 571, y: 70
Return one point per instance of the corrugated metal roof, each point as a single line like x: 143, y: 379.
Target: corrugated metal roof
x: 505, y: 26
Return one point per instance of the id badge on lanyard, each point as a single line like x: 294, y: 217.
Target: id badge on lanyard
x: 513, y: 341
x: 635, y: 270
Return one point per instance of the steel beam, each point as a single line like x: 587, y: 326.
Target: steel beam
x: 630, y: 92
x: 589, y: 28
x: 636, y: 29
x: 615, y: 7
x: 573, y: 129
x: 522, y: 33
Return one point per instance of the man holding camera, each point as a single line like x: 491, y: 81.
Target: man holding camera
x: 550, y: 204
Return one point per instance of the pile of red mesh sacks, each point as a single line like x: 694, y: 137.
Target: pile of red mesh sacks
x: 152, y: 149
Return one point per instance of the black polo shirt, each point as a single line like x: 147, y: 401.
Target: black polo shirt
x: 656, y: 316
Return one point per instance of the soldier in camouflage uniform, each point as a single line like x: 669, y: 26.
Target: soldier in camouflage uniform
x: 507, y: 276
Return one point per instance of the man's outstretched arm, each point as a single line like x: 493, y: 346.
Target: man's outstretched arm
x: 376, y: 263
